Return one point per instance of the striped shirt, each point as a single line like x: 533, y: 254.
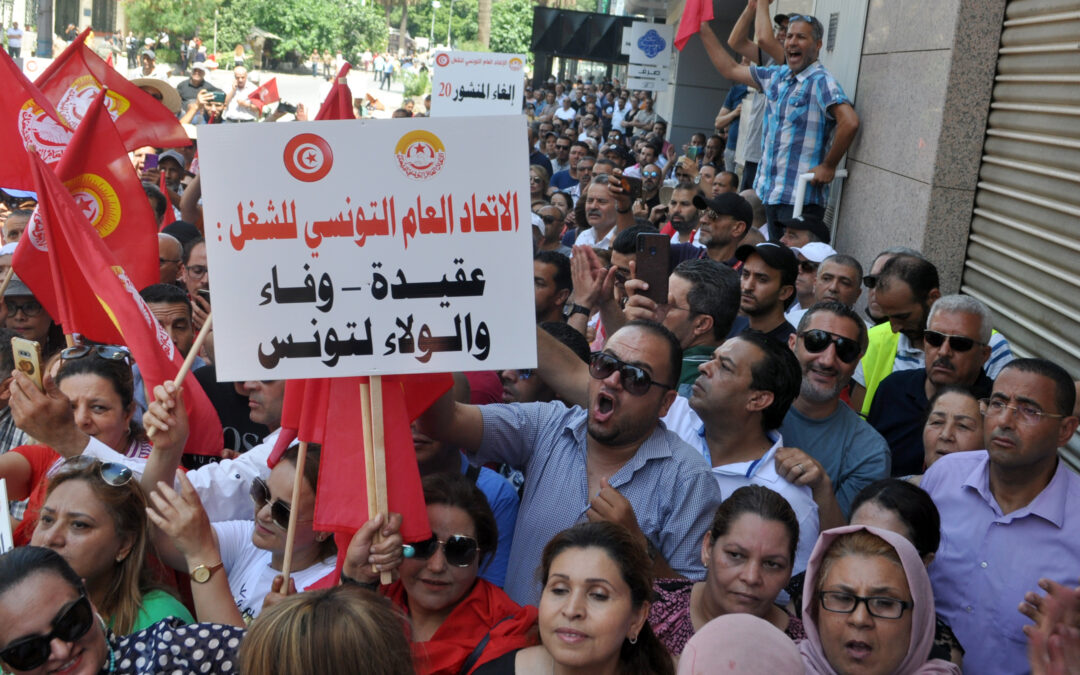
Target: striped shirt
x: 668, y: 483
x: 798, y: 129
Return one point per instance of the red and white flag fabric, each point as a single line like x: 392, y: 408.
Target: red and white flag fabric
x: 266, y: 94
x: 73, y: 80
x: 27, y: 118
x: 101, y: 179
x: 85, y: 272
x: 339, y: 102
x: 695, y: 12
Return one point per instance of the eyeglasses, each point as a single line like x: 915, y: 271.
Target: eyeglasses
x: 562, y: 147
x: 112, y: 473
x: 711, y: 216
x: 808, y: 266
x: 107, y: 352
x: 650, y: 174
x: 816, y: 341
x: 881, y: 606
x: 1028, y: 414
x: 548, y: 220
x: 682, y: 176
x: 957, y: 343
x: 33, y: 651
x: 279, y: 510
x: 525, y: 373
x: 162, y: 261
x: 460, y: 551
x: 534, y: 179
x: 870, y: 280
x: 30, y: 308
x: 635, y: 380
x: 196, y: 271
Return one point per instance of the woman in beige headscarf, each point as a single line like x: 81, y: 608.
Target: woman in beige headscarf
x: 740, y: 643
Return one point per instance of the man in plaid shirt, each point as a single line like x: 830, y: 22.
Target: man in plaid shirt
x: 806, y: 109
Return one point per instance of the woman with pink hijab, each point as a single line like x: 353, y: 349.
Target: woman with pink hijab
x: 868, y: 606
x: 740, y: 643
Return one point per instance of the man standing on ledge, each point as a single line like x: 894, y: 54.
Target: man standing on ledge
x: 805, y: 107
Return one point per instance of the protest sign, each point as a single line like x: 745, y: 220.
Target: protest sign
x: 366, y: 247
x: 474, y: 83
x: 33, y: 66
x: 650, y: 56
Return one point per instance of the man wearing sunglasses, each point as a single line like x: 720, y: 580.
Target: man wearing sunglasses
x: 1010, y: 516
x: 810, y: 257
x: 956, y: 342
x: 611, y: 461
x: 725, y: 220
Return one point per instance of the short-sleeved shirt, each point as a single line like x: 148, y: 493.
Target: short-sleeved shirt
x: 797, y: 131
x: 988, y: 560
x: 851, y: 452
x: 171, y: 647
x: 547, y: 442
x: 780, y: 333
x: 734, y: 97
x: 503, y: 500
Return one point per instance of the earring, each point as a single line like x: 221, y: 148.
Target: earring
x: 633, y: 640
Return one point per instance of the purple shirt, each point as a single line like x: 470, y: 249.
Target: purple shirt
x: 988, y: 561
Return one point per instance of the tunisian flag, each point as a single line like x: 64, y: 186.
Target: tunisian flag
x: 99, y: 175
x: 327, y: 411
x: 265, y: 94
x: 84, y: 271
x: 27, y: 118
x: 338, y: 103
x: 75, y: 77
x: 694, y: 14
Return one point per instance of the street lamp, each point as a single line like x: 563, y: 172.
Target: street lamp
x: 448, y: 22
x: 431, y: 40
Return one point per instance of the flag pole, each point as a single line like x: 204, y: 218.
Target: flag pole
x: 178, y: 381
x: 290, y: 534
x: 379, y: 452
x: 369, y: 455
x: 7, y: 280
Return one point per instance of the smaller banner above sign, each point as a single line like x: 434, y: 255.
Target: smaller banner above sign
x: 650, y: 43
x: 475, y: 83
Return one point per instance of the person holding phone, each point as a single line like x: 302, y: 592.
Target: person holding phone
x: 26, y: 317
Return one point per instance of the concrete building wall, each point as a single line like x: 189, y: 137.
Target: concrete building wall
x: 923, y: 97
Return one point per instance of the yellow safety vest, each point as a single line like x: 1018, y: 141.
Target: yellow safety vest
x: 877, y: 362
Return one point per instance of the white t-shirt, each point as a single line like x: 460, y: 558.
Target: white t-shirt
x: 248, y: 567
x: 566, y: 114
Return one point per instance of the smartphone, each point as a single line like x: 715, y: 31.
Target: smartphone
x: 150, y: 161
x: 218, y: 97
x: 204, y: 293
x: 27, y: 358
x: 653, y: 259
x: 693, y: 151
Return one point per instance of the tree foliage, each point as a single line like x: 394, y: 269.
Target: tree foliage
x: 182, y: 18
x: 511, y: 26
x: 463, y: 25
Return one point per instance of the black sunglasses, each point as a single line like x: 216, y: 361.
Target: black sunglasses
x: 808, y: 266
x: 279, y: 510
x: 870, y: 280
x: 548, y: 220
x: 115, y: 475
x: 69, y: 625
x: 634, y: 379
x: 107, y: 352
x: 817, y: 341
x: 958, y: 343
x: 460, y: 551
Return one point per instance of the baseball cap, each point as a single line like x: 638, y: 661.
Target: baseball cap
x: 727, y: 204
x: 776, y: 256
x: 815, y: 225
x: 16, y: 287
x: 150, y: 53
x: 815, y: 251
x: 198, y: 66
x: 175, y: 156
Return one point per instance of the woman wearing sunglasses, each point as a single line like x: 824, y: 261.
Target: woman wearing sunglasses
x: 28, y: 319
x: 233, y: 564
x: 98, y: 383
x: 94, y: 516
x: 459, y: 621
x: 868, y: 606
x: 48, y: 624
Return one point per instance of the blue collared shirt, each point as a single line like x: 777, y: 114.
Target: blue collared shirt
x: 798, y: 129
x: 667, y: 482
x: 988, y: 560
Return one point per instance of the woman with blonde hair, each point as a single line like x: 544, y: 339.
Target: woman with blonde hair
x: 343, y: 630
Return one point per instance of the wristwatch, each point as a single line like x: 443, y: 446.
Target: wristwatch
x: 202, y: 573
x: 579, y: 309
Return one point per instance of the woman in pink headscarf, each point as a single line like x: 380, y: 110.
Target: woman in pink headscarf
x: 740, y: 643
x: 868, y: 606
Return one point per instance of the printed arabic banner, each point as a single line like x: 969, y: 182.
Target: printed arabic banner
x: 474, y: 83
x: 363, y: 247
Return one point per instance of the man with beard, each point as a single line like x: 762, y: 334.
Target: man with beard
x: 725, y: 219
x: 613, y: 461
x: 957, y: 336
x: 839, y: 450
x: 683, y: 215
x: 904, y: 291
x: 606, y: 211
x: 551, y: 283
x: 768, y: 287
x: 584, y: 175
x: 650, y: 193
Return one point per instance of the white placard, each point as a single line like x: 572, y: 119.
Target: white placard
x: 33, y: 66
x: 477, y: 83
x: 650, y: 43
x: 646, y: 84
x: 361, y: 247
x: 647, y: 72
x: 7, y: 542
x: 625, y: 49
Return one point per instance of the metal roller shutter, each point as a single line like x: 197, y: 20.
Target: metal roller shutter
x: 1023, y: 256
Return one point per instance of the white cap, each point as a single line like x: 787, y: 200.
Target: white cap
x: 815, y: 251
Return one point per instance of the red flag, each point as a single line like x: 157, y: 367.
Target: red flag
x: 76, y: 76
x: 265, y: 94
x: 85, y: 267
x: 338, y: 103
x: 169, y: 217
x: 99, y: 175
x: 303, y: 415
x: 694, y: 14
x: 26, y: 118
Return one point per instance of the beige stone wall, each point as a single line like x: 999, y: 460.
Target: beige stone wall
x: 925, y: 81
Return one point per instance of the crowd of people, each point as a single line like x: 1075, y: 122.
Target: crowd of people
x: 754, y: 470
